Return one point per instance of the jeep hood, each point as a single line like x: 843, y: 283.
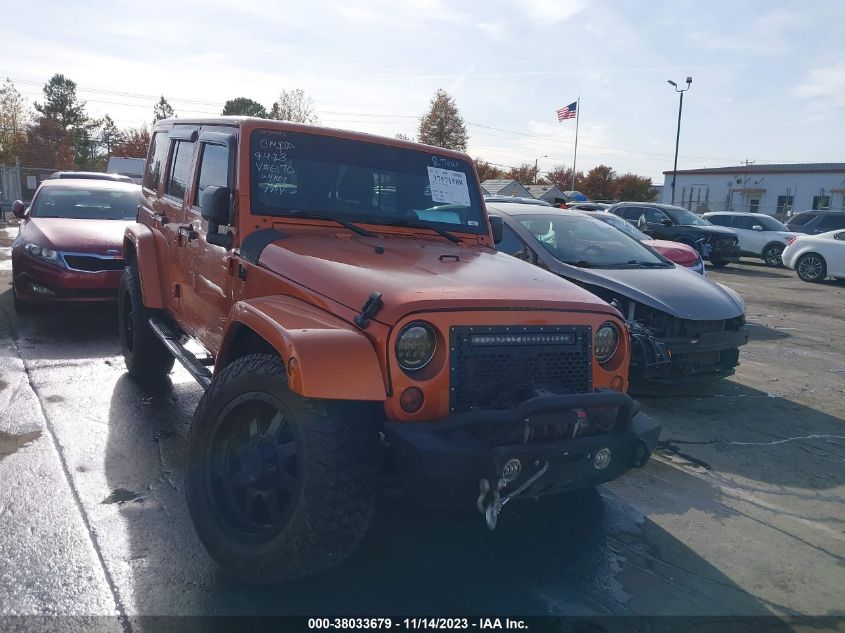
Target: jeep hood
x: 416, y: 274
x: 679, y: 292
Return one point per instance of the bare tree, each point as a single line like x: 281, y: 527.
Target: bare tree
x: 12, y: 121
x: 442, y: 125
x: 294, y: 106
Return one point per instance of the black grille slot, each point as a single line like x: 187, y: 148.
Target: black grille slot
x: 92, y: 264
x: 487, y: 362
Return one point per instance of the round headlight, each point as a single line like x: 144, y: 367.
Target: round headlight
x: 415, y: 346
x: 606, y: 342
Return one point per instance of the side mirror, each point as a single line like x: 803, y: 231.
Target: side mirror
x: 839, y: 236
x: 214, y: 206
x: 666, y: 222
x: 756, y: 227
x: 18, y: 209
x: 497, y: 227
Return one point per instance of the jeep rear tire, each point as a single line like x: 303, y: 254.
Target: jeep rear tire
x: 279, y: 486
x: 145, y: 355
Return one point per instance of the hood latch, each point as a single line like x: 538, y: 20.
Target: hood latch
x: 370, y: 310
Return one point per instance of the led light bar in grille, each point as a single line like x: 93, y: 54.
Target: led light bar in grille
x: 552, y: 338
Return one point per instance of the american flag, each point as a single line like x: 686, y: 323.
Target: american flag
x: 568, y: 112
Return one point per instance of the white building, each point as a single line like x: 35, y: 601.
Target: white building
x: 780, y: 190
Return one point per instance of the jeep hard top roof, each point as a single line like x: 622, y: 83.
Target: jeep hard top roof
x: 249, y: 123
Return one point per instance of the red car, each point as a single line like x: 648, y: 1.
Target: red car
x: 676, y: 252
x: 70, y: 244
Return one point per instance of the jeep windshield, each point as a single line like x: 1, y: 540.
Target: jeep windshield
x: 87, y: 204
x: 298, y: 173
x: 587, y: 243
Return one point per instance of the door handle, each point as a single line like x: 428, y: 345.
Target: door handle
x: 160, y: 218
x: 188, y: 233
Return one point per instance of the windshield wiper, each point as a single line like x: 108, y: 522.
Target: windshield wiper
x: 415, y: 225
x: 318, y: 216
x: 634, y: 262
x: 581, y: 263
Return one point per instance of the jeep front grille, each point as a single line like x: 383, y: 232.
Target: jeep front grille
x: 485, y: 363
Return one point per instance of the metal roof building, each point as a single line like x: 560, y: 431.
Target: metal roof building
x: 777, y: 189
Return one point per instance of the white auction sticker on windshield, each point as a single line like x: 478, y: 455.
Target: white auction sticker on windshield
x: 448, y: 187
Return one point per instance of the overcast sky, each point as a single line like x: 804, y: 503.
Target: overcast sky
x: 768, y: 77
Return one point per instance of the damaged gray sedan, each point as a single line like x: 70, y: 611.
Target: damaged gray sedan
x: 683, y: 326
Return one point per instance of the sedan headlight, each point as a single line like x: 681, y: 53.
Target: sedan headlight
x: 44, y: 254
x: 415, y: 346
x: 606, y: 341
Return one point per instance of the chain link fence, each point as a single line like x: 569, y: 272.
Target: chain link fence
x: 19, y: 182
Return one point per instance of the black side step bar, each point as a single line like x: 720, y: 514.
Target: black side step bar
x: 194, y: 365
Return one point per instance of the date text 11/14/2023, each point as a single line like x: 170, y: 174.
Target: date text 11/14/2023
x: 415, y: 624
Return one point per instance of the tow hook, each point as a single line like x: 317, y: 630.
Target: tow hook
x: 492, y: 506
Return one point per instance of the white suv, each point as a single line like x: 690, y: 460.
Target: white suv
x: 760, y: 235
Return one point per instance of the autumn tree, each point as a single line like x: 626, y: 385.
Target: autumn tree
x: 12, y: 121
x: 62, y: 128
x: 442, y: 125
x: 635, y: 188
x: 61, y: 105
x: 162, y: 110
x: 599, y: 183
x: 294, y: 106
x: 487, y: 171
x: 561, y: 177
x: 134, y: 143
x: 244, y: 106
x: 523, y: 173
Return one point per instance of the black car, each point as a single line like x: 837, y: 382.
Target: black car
x: 815, y: 222
x: 667, y: 222
x: 683, y: 326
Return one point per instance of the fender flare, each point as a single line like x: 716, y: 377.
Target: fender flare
x: 139, y: 238
x: 325, y: 357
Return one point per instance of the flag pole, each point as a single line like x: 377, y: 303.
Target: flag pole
x: 575, y: 157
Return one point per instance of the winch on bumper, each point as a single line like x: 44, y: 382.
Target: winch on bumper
x: 547, y: 444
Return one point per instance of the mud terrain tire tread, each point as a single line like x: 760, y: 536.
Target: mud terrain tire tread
x: 337, y: 501
x: 149, y: 358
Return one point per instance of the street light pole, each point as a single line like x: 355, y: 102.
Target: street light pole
x: 678, y: 134
x: 536, y: 173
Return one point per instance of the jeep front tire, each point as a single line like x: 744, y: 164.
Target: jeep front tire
x: 279, y: 486
x: 145, y: 355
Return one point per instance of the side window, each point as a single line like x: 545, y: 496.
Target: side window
x: 180, y: 168
x: 157, y: 160
x: 831, y: 222
x: 632, y: 213
x: 655, y: 216
x: 744, y: 222
x: 719, y: 220
x: 511, y: 244
x: 214, y: 169
x: 802, y: 219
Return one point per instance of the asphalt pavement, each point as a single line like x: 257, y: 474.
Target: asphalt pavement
x: 740, y: 513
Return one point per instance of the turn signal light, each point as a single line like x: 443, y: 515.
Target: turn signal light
x: 411, y: 400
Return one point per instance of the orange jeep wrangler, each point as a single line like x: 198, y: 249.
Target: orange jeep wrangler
x: 349, y: 302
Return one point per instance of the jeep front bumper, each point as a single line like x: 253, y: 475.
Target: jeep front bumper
x: 447, y: 461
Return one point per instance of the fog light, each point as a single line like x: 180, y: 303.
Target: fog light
x: 411, y: 400
x: 41, y: 290
x: 616, y: 383
x: 602, y: 459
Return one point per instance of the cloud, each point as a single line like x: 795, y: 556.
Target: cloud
x: 826, y: 82
x: 550, y: 11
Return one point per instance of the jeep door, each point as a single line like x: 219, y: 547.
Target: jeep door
x: 208, y: 297
x: 161, y: 214
x: 175, y: 191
